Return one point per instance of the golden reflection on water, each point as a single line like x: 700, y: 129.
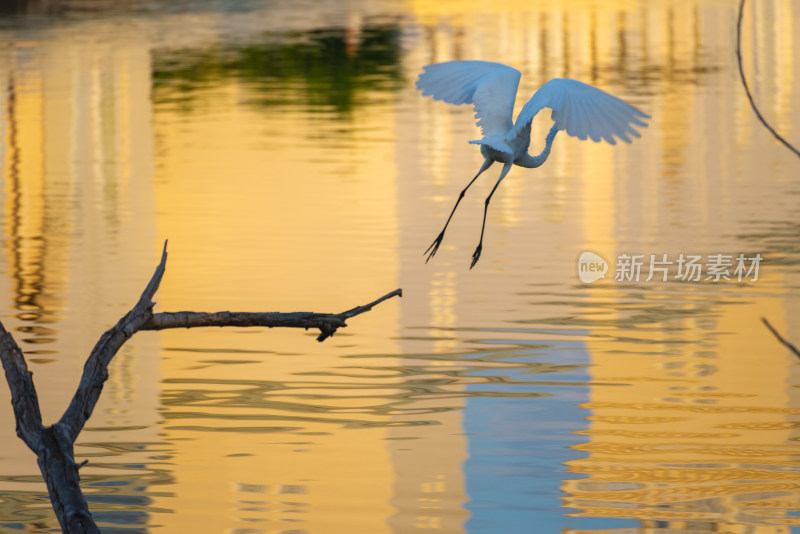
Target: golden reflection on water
x: 287, y: 157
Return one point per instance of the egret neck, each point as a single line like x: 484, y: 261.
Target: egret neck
x: 532, y: 162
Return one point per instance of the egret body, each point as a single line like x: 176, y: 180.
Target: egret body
x: 584, y: 111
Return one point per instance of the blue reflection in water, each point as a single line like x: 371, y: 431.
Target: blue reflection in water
x: 518, y: 445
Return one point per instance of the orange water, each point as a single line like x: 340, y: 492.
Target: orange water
x: 282, y: 149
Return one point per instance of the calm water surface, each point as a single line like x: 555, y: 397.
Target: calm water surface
x: 282, y: 149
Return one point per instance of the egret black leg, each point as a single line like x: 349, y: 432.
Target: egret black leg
x: 438, y: 241
x: 476, y: 256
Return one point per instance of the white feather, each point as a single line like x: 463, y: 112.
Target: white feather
x: 495, y: 143
x: 583, y: 111
x: 490, y: 87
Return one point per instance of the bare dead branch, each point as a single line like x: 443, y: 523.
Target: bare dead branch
x: 327, y: 323
x: 187, y: 319
x: 57, y: 463
x: 753, y: 105
x: 780, y: 338
x: 358, y: 310
x: 95, y: 371
x: 53, y: 445
x: 23, y: 392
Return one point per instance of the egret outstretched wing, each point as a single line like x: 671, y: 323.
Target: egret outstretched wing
x: 490, y: 87
x: 583, y: 111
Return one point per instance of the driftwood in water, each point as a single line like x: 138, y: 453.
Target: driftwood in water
x: 53, y: 445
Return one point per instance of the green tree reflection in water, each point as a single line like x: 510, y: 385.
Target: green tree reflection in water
x: 325, y: 68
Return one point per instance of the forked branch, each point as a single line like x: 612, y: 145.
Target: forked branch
x: 53, y: 445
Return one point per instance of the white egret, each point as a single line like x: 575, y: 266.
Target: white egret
x: 582, y: 110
